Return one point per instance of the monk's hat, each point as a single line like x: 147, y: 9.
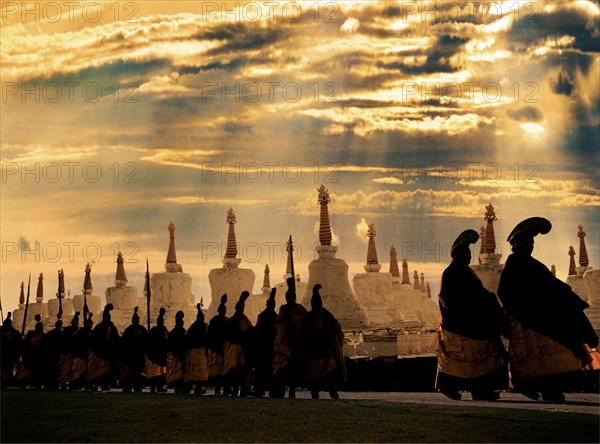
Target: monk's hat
x: 529, y: 228
x: 463, y: 240
x: 315, y: 300
x: 58, y: 323
x: 179, y: 316
x: 223, y: 302
x: 242, y: 300
x: 8, y: 320
x: 271, y: 298
x: 136, y: 316
x: 75, y: 320
x: 89, y: 322
x: 161, y: 315
x: 106, y: 313
x: 39, y: 326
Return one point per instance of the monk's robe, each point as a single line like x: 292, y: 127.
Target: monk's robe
x: 196, y: 357
x: 156, y: 355
x: 176, y: 356
x: 471, y: 355
x: 216, y: 346
x: 237, y: 362
x: 9, y: 352
x: 548, y: 330
x: 103, y: 360
x: 287, y: 363
x: 264, y: 343
x: 132, y: 360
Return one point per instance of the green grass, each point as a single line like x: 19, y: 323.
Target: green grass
x: 48, y: 416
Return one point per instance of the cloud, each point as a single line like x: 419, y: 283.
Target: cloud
x: 360, y: 229
x: 526, y: 114
x: 193, y: 200
x: 388, y: 180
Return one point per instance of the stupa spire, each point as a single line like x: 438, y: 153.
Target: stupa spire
x: 428, y: 289
x: 416, y: 280
x: 22, y: 295
x: 553, y: 270
x: 422, y: 281
x: 394, y: 271
x: 61, y: 283
x: 40, y: 289
x: 583, y: 256
x: 120, y: 278
x: 490, y: 239
x: 88, y: 279
x: 171, y: 264
x: 372, y: 261
x: 231, y: 252
x: 572, y: 269
x: 231, y: 259
x: 405, y: 276
x: 324, y: 227
x: 266, y: 287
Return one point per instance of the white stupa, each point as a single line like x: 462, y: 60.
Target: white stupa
x: 171, y: 289
x: 489, y: 267
x: 332, y: 274
x: 229, y: 279
x: 584, y: 280
x: 374, y: 289
x: 123, y: 297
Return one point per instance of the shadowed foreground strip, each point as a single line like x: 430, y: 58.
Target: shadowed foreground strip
x: 45, y: 416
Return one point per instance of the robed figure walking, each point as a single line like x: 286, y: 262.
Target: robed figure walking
x: 548, y: 329
x: 471, y: 356
x: 321, y: 348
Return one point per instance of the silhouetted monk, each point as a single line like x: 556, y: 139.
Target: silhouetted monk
x: 548, y: 330
x: 82, y: 344
x: 287, y: 364
x: 471, y: 355
x: 53, y: 345
x: 132, y: 360
x: 264, y: 342
x: 31, y: 368
x: 103, y: 359
x: 216, y: 347
x: 9, y: 352
x: 65, y: 360
x: 196, y: 358
x: 156, y: 355
x: 176, y: 355
x: 238, y: 343
x: 321, y: 346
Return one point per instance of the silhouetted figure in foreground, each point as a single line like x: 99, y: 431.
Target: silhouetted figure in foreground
x: 132, y: 361
x: 176, y: 355
x: 238, y: 343
x: 196, y: 358
x: 31, y: 368
x: 548, y: 329
x: 321, y: 346
x: 471, y: 355
x: 103, y: 359
x: 264, y: 342
x: 216, y: 347
x: 156, y: 355
x: 53, y: 345
x: 65, y: 360
x: 287, y: 364
x: 9, y: 351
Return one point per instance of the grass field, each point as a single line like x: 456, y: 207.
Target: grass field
x: 50, y: 416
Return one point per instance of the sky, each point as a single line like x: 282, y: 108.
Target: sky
x: 120, y: 117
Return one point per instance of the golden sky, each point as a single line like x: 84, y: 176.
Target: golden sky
x: 118, y: 117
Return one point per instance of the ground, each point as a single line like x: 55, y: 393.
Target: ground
x: 51, y: 416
